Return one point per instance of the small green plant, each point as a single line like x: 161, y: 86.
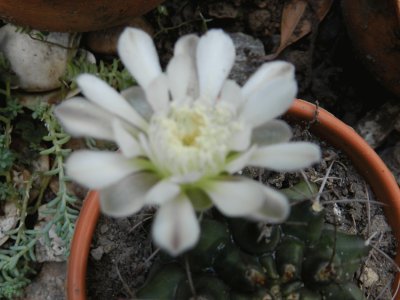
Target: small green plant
x: 303, y: 258
x: 61, y: 207
x: 42, y: 136
x: 18, y: 253
x: 110, y: 72
x: 8, y: 112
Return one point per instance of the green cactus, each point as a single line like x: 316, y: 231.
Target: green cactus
x: 302, y: 259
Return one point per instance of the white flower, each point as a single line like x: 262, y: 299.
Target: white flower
x: 183, y: 133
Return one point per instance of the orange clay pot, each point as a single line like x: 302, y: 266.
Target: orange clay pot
x: 326, y: 127
x: 73, y: 15
x: 374, y: 29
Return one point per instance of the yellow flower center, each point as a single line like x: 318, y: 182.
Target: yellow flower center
x: 190, y: 126
x: 192, y: 138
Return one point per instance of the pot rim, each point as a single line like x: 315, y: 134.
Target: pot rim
x: 324, y: 125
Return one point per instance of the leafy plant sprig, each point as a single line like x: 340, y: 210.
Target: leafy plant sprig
x: 15, y: 260
x: 111, y: 72
x: 61, y: 208
x: 13, y: 270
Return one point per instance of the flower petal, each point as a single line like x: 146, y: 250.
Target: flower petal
x: 267, y: 72
x: 241, y: 139
x: 136, y: 97
x: 138, y: 53
x: 126, y: 141
x: 231, y: 93
x: 272, y: 132
x: 176, y: 228
x: 99, y: 92
x: 164, y: 191
x: 127, y: 196
x: 144, y: 143
x: 99, y: 169
x: 240, y: 161
x: 270, y: 101
x: 286, y: 156
x: 215, y: 58
x: 236, y: 196
x: 275, y: 209
x: 80, y: 117
x: 182, y: 78
x: 157, y: 94
x: 186, y: 45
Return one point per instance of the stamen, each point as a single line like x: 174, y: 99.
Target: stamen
x: 193, y: 139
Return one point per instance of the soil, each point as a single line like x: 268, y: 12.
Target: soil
x: 122, y: 247
x: 327, y: 70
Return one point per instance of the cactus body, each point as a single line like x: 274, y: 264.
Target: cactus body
x: 303, y: 259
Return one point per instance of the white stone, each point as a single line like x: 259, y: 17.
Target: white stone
x: 37, y: 64
x: 369, y: 277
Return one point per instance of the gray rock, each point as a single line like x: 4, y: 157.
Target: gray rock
x: 377, y: 124
x: 249, y: 56
x: 49, y: 285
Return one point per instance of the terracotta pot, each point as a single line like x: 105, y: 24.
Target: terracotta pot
x: 73, y: 15
x: 327, y: 127
x: 374, y: 29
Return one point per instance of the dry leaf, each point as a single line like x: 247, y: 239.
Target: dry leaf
x: 295, y: 25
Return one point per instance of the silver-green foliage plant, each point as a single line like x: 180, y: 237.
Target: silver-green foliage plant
x: 44, y: 137
x: 18, y: 253
x: 303, y: 258
x: 109, y: 72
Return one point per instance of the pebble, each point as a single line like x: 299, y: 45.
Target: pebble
x: 8, y: 221
x: 369, y: 277
x: 97, y: 253
x: 106, y: 244
x: 103, y: 228
x: 109, y: 247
